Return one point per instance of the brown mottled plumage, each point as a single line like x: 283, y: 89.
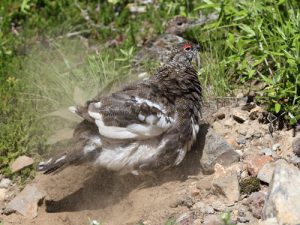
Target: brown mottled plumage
x: 160, y: 47
x: 146, y: 125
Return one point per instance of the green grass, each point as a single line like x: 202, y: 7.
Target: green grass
x: 257, y: 40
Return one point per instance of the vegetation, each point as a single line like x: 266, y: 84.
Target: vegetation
x: 249, y: 185
x: 54, y: 54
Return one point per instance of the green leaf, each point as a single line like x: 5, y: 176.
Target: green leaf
x: 277, y: 107
x: 248, y: 30
x: 266, y: 79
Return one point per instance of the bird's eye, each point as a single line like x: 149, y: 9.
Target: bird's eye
x: 187, y: 47
x: 179, y: 23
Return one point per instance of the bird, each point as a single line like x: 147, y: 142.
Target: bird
x: 159, y: 47
x: 145, y: 125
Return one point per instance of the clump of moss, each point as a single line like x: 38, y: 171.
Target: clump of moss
x: 249, y: 185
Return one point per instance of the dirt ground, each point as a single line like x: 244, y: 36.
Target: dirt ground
x: 80, y: 193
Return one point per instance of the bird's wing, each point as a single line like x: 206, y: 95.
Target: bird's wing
x: 124, y: 115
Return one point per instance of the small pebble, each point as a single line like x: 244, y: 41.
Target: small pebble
x: 296, y: 146
x: 5, y: 183
x: 295, y: 159
x: 241, y: 140
x: 257, y: 134
x: 276, y: 147
x: 266, y: 151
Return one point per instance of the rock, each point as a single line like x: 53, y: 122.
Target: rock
x: 203, y: 208
x: 296, y: 146
x: 217, y: 150
x: 244, y: 174
x: 219, y: 128
x: 20, y: 163
x: 266, y: 172
x: 198, y: 222
x: 239, y: 115
x: 205, y: 183
x: 182, y: 201
x: 229, y: 123
x: 185, y: 219
x: 226, y: 183
x: 5, y: 183
x: 26, y: 202
x: 249, y: 136
x: 272, y: 221
x: 218, y: 206
x: 295, y: 159
x: 243, y: 131
x: 3, y: 192
x: 249, y: 185
x: 232, y: 142
x: 241, y: 140
x: 249, y: 106
x: 242, y: 217
x: 266, y: 151
x: 256, y: 203
x: 212, y: 220
x: 255, y: 162
x: 194, y: 192
x: 257, y: 113
x: 276, y: 147
x: 219, y: 116
x: 282, y: 200
x: 240, y: 152
x: 257, y: 134
x: 243, y: 220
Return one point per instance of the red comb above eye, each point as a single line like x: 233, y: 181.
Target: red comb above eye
x: 185, y: 46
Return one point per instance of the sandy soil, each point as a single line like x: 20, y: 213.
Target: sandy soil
x: 80, y: 193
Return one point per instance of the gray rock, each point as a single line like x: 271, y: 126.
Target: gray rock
x: 243, y: 131
x: 185, y: 219
x: 5, y: 183
x: 256, y: 203
x: 226, y: 183
x: 296, y: 146
x: 241, y: 140
x: 249, y: 136
x: 295, y: 159
x: 243, y: 219
x: 203, y: 208
x: 218, y: 206
x: 212, y: 220
x: 26, y: 202
x: 217, y: 150
x: 276, y: 147
x: 266, y: 151
x: 283, y: 198
x: 266, y: 172
x: 20, y: 163
x: 257, y: 134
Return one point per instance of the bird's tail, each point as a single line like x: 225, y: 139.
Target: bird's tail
x: 75, y: 153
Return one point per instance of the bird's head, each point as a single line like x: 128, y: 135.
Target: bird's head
x: 184, y: 53
x: 177, y: 25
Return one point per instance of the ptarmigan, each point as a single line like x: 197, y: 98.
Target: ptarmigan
x: 159, y: 48
x: 146, y: 125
